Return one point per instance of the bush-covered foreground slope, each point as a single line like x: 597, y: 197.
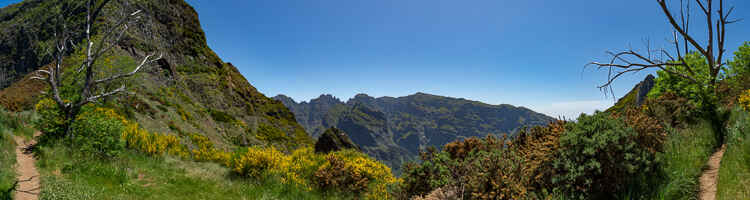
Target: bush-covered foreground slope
x: 111, y: 157
x: 134, y: 175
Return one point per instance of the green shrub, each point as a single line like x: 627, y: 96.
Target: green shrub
x: 270, y: 133
x: 672, y: 110
x: 355, y: 173
x: 221, y: 116
x: 600, y: 155
x: 696, y: 93
x: 97, y: 132
x: 434, y: 172
x: 50, y: 121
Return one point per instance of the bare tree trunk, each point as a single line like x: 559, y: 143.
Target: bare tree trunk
x: 53, y: 75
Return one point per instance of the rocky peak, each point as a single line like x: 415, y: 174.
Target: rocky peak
x: 644, y: 87
x: 325, y: 99
x: 334, y: 139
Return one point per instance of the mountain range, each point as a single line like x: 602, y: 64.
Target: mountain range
x: 394, y: 130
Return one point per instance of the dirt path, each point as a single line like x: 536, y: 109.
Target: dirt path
x: 709, y: 178
x: 28, y: 187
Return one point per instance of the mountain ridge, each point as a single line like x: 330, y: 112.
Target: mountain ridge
x: 396, y: 129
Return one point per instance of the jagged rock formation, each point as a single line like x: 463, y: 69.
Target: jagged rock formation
x: 636, y: 97
x: 644, y: 87
x: 395, y: 129
x: 334, y: 139
x: 191, y: 90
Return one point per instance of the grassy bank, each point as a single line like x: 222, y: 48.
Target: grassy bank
x: 133, y: 175
x: 10, y: 124
x: 734, y: 174
x: 686, y: 152
x: 7, y: 160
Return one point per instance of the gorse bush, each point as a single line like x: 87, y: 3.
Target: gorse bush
x: 599, y: 155
x: 256, y: 161
x: 673, y: 110
x: 354, y: 172
x: 744, y: 100
x: 650, y: 132
x: 203, y: 150
x: 488, y: 168
x: 539, y: 147
x: 50, y: 121
x: 96, y: 131
x: 153, y: 143
x: 501, y: 175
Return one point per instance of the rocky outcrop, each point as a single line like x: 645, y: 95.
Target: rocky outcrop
x: 644, y: 87
x: 334, y: 139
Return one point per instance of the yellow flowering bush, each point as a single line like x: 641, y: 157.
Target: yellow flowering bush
x: 204, y: 150
x: 354, y: 172
x: 50, y: 121
x: 152, y: 143
x: 295, y: 169
x: 96, y: 131
x: 744, y: 100
x: 257, y: 161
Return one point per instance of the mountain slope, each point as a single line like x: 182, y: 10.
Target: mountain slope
x: 190, y: 90
x: 395, y: 129
x: 635, y: 97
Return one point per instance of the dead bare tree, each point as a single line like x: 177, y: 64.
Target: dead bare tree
x: 630, y: 61
x: 53, y: 75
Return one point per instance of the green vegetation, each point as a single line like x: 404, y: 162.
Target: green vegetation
x: 133, y: 175
x: 685, y: 153
x: 600, y: 154
x: 95, y: 165
x: 7, y: 155
x: 11, y: 124
x: 734, y: 174
x: 221, y: 116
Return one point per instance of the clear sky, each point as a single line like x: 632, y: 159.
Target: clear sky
x: 527, y: 53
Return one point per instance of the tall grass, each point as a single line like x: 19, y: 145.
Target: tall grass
x: 135, y: 175
x: 734, y: 174
x: 686, y: 152
x: 7, y: 156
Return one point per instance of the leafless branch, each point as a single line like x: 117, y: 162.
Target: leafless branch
x: 104, y: 94
x: 118, y: 76
x: 631, y: 61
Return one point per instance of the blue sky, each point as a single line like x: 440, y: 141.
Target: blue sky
x: 527, y: 53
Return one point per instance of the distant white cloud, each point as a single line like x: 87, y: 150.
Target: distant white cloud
x: 572, y: 109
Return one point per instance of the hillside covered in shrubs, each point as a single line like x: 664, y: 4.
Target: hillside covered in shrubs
x: 193, y: 128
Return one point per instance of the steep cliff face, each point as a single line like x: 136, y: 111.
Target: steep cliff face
x: 396, y: 129
x: 190, y: 90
